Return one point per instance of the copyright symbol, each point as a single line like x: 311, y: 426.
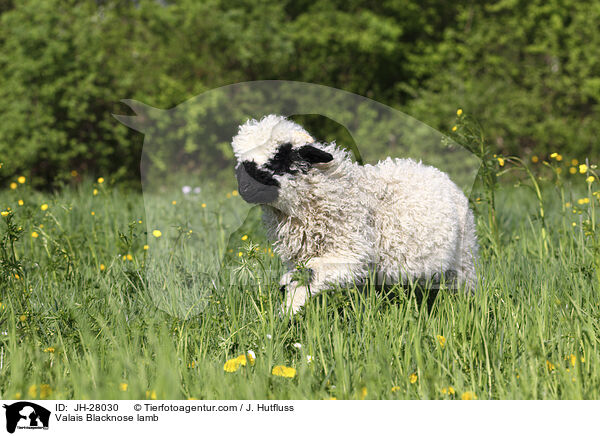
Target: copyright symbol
x: 137, y: 407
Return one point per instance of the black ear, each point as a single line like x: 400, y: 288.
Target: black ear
x: 314, y: 155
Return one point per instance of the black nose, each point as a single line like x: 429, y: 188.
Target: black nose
x: 253, y: 191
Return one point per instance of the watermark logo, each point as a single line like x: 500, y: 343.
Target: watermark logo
x: 26, y: 415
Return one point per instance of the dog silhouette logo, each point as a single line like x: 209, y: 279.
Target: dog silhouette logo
x: 26, y: 415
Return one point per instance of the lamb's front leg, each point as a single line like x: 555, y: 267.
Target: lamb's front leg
x: 324, y: 272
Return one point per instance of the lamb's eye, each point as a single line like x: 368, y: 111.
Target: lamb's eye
x: 283, y: 160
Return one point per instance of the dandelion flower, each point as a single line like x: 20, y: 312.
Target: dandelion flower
x: 573, y: 170
x: 20, y: 202
x: 413, y: 378
x: 13, y: 185
x: 156, y: 233
x: 234, y: 193
x: 21, y: 180
x: 123, y: 387
x: 44, y: 206
x: 100, y: 180
x: 146, y: 247
x: 459, y: 112
x: 32, y: 391
x: 468, y: 396
x: 240, y: 254
x: 232, y: 365
x: 284, y: 371
x: 583, y: 168
x: 129, y: 257
x: 590, y: 179
x: 244, y: 237
x: 4, y: 213
x: 574, y: 162
x: 34, y: 234
x: 454, y: 128
x: 441, y: 340
x: 174, y: 202
x: 102, y: 267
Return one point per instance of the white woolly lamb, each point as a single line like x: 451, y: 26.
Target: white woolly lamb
x: 404, y: 220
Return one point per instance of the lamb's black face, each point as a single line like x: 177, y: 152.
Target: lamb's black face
x: 258, y: 184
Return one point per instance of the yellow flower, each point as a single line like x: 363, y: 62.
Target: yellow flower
x: 173, y: 202
x: 232, y: 365
x: 74, y: 173
x: 573, y: 170
x: 535, y: 159
x: 454, y: 128
x: 20, y: 202
x: 395, y: 388
x: 151, y: 395
x: 550, y: 366
x: 559, y: 171
x: 583, y: 168
x: 567, y: 204
x: 129, y: 257
x: 156, y: 233
x: 18, y: 396
x: 32, y: 391
x: 203, y: 204
x: 4, y: 213
x: 21, y: 180
x: 244, y: 237
x: 574, y: 224
x: 583, y: 200
x: 574, y: 162
x: 140, y: 222
x: 240, y: 254
x: 459, y: 112
x: 23, y: 318
x: 590, y: 179
x: 49, y: 350
x: 45, y: 391
x: 251, y: 357
x: 573, y: 359
x: 284, y: 371
x: 553, y: 155
x: 234, y: 193
x: 95, y: 192
x: 468, y: 396
x: 363, y: 392
x: 123, y: 387
x: 413, y: 378
x: 100, y: 180
x: 559, y: 158
x: 441, y: 340
x: 146, y: 247
x: 44, y: 206
x: 102, y: 267
x: 501, y: 161
x: 93, y: 213
x: 449, y: 390
x: 228, y: 195
x: 13, y: 185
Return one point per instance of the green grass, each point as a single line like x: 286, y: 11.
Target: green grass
x: 165, y: 325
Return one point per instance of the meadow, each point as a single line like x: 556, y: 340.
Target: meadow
x: 78, y: 319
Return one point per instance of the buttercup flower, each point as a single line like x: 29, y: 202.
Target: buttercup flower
x: 156, y: 233
x: 441, y: 340
x: 20, y: 203
x: 123, y: 387
x: 459, y: 112
x: 413, y: 378
x: 44, y: 206
x: 468, y: 396
x: 100, y: 180
x: 21, y: 180
x: 583, y: 168
x: 13, y: 185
